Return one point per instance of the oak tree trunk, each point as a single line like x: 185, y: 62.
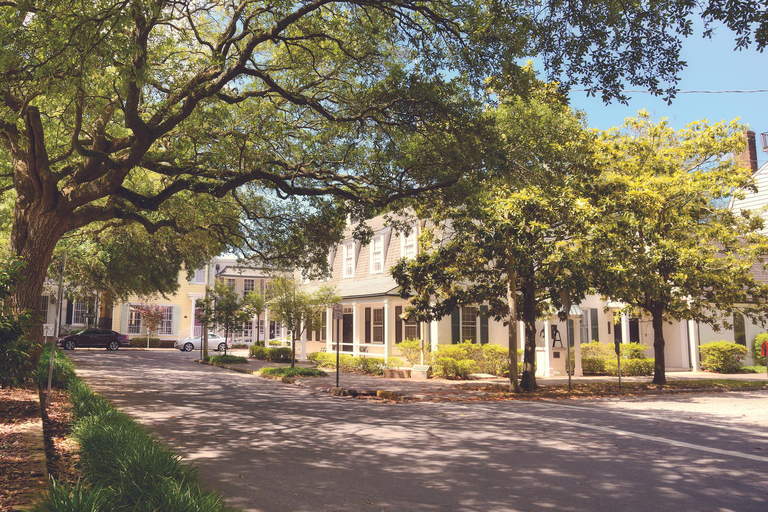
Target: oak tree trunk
x: 512, y: 326
x: 33, y: 238
x: 659, y: 369
x: 528, y: 380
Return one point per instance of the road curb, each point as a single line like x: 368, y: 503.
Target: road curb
x: 37, y: 463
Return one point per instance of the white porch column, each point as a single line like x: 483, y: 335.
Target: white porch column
x: 521, y: 334
x: 547, y: 350
x: 577, y: 346
x: 303, y: 345
x: 329, y: 321
x: 693, y: 346
x: 433, y: 340
x: 266, y: 328
x: 355, y: 335
x: 625, y: 328
x: 387, y: 330
x: 191, y: 319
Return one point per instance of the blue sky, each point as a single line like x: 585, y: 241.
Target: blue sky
x: 712, y: 65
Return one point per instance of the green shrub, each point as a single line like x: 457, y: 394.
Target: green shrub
x: 239, y: 345
x: 411, y: 351
x: 226, y: 359
x: 722, y: 357
x: 137, y: 472
x: 752, y: 369
x: 63, y: 369
x: 629, y: 367
x: 394, y: 362
x: 141, y: 342
x: 279, y: 355
x: 633, y: 351
x: 258, y: 352
x: 451, y: 368
x: 348, y: 363
x: 460, y: 351
x: 259, y: 343
x: 757, y: 346
x: 15, y: 365
x: 287, y: 371
x: 495, y: 360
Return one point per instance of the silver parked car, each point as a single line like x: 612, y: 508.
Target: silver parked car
x: 214, y: 341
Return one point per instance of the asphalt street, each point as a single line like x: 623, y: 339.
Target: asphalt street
x: 269, y: 446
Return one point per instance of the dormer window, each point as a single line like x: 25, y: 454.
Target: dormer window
x: 349, y: 259
x: 408, y: 244
x: 377, y: 254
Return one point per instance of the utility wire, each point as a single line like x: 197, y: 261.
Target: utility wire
x: 735, y: 91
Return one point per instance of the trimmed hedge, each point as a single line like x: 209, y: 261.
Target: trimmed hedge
x: 287, y: 371
x: 459, y: 360
x: 600, y: 359
x: 757, y: 346
x: 276, y: 355
x: 722, y: 357
x: 226, y: 359
x: 348, y: 363
x: 141, y: 342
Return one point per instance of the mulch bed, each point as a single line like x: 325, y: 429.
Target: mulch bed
x: 60, y: 449
x: 17, y: 406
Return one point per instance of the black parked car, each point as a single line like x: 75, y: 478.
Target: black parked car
x: 105, y: 338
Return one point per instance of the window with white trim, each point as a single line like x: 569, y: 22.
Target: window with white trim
x: 78, y: 312
x: 408, y: 244
x: 411, y: 330
x: 349, y: 259
x: 199, y: 277
x: 44, y: 308
x: 248, y: 285
x: 377, y: 254
x: 468, y: 324
x: 378, y: 325
x: 134, y: 322
x: 230, y: 283
x: 166, y: 325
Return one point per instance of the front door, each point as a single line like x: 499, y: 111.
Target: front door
x: 347, y: 329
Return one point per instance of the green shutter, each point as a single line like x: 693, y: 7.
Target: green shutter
x: 456, y: 325
x: 176, y: 320
x: 398, y: 324
x: 595, y: 325
x: 124, y: 310
x: 483, y: 325
x: 367, y: 325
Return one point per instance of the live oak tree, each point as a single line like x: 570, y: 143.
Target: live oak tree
x: 511, y: 242
x: 667, y: 244
x: 117, y: 112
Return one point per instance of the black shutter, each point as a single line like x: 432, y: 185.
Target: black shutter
x: 398, y: 324
x: 483, y: 325
x: 456, y: 325
x: 367, y: 325
x: 70, y: 308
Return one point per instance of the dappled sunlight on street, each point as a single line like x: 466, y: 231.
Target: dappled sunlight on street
x: 271, y: 446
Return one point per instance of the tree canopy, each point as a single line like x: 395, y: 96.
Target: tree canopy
x: 122, y: 112
x: 509, y: 243
x: 667, y: 244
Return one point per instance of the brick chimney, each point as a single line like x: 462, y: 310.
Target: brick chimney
x: 748, y: 156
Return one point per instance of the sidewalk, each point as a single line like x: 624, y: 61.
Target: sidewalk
x: 354, y: 384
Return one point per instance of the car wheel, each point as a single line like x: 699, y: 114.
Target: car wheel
x: 188, y: 347
x: 70, y: 345
x: 222, y: 347
x: 113, y: 345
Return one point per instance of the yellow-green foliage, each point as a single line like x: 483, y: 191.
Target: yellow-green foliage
x: 757, y: 345
x: 722, y: 356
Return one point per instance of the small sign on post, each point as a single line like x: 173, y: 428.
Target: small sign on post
x: 47, y: 330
